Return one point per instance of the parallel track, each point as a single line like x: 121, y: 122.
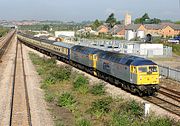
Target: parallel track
x: 14, y: 91
x: 173, y: 105
x: 5, y: 45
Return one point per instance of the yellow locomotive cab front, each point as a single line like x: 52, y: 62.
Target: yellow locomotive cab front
x: 147, y: 75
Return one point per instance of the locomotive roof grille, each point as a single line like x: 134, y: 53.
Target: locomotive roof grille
x: 143, y: 62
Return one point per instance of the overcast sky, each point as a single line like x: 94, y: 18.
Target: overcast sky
x: 80, y: 10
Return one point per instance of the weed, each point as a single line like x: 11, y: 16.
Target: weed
x: 83, y: 122
x: 66, y: 100
x: 81, y: 84
x: 100, y: 106
x: 134, y: 108
x: 98, y: 89
x: 158, y: 122
x: 121, y: 119
x: 49, y: 97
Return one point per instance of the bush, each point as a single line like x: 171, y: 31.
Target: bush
x: 61, y: 73
x: 134, y: 108
x: 121, y: 119
x: 80, y: 81
x: 158, y: 122
x: 81, y: 84
x: 66, y: 100
x: 100, y: 106
x: 83, y: 122
x: 98, y: 89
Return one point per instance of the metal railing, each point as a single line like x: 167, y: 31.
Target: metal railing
x: 169, y: 72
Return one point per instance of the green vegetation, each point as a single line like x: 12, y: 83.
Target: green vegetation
x: 81, y: 84
x: 83, y: 122
x: 175, y: 48
x: 111, y: 20
x: 177, y: 22
x: 145, y: 19
x: 96, y: 24
x: 91, y: 107
x: 3, y: 31
x: 53, y: 26
x: 98, y: 89
x: 100, y: 106
x: 66, y: 100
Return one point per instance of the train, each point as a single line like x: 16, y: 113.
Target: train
x: 132, y: 73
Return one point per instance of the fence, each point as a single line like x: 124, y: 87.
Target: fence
x: 170, y: 72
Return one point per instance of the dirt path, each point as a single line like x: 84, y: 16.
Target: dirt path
x: 39, y: 110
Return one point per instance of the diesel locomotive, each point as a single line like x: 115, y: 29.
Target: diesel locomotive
x: 135, y: 74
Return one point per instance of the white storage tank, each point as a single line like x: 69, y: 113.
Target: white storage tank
x: 151, y: 49
x: 140, y: 34
x: 129, y: 34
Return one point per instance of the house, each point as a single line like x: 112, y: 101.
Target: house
x: 103, y: 29
x: 133, y: 31
x: 170, y: 30
x: 118, y: 30
x: 153, y: 29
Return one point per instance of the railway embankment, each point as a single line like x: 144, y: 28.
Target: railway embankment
x: 77, y: 98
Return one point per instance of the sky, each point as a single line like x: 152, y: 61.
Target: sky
x: 84, y: 10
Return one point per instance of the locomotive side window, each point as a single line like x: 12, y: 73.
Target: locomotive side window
x: 152, y: 69
x: 142, y: 69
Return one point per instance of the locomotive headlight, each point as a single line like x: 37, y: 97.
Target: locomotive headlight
x: 140, y: 77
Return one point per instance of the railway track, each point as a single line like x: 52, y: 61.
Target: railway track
x: 167, y: 99
x: 20, y: 107
x: 5, y: 44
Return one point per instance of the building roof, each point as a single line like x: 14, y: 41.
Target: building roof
x: 175, y: 26
x: 153, y: 26
x: 133, y: 26
x: 116, y: 29
x: 102, y: 26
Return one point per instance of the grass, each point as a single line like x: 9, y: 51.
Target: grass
x: 100, y: 106
x: 81, y: 84
x: 83, y: 122
x: 69, y: 94
x: 66, y: 100
x: 98, y: 89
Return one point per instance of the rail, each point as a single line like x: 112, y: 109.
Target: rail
x: 14, y: 83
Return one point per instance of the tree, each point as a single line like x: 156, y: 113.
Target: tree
x: 137, y: 21
x: 46, y: 28
x: 111, y: 20
x: 146, y: 20
x: 156, y: 21
x: 177, y: 22
x: 96, y: 24
x: 145, y: 17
